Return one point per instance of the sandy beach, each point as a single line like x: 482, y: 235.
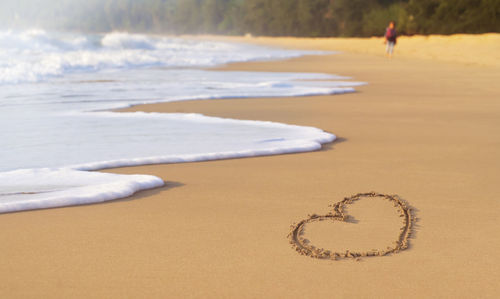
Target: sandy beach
x: 427, y: 129
x: 468, y: 49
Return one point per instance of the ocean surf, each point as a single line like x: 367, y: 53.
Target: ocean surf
x: 56, y: 126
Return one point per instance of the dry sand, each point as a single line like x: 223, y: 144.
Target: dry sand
x: 479, y: 50
x: 425, y: 130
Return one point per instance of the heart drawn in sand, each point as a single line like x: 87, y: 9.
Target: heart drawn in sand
x: 303, y: 246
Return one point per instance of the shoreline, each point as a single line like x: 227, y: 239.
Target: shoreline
x: 218, y: 229
x: 466, y: 49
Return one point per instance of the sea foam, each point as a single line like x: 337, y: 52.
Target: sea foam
x: 57, y: 127
x: 35, y: 55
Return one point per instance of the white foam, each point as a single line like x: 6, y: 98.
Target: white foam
x: 55, y: 131
x: 38, y: 188
x: 49, y: 188
x: 35, y: 55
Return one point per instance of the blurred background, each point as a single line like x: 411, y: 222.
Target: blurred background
x: 258, y: 17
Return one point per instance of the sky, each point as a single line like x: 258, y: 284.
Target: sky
x: 39, y: 13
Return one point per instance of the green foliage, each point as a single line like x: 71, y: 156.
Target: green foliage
x: 349, y: 15
x: 375, y: 21
x: 453, y: 16
x: 259, y: 17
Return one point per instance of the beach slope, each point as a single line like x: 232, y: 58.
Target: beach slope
x: 426, y: 130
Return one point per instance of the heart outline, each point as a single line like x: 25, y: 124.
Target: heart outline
x: 302, y: 246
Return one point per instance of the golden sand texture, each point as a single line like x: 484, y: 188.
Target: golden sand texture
x: 304, y: 247
x: 482, y: 49
x: 425, y: 130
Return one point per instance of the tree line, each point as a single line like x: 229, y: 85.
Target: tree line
x: 313, y: 18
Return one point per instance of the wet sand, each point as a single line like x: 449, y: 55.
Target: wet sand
x: 426, y: 130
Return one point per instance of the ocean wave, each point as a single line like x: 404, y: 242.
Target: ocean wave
x: 35, y: 55
x: 41, y: 188
x: 56, y: 132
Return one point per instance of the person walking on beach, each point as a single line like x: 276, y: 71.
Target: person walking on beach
x: 390, y: 38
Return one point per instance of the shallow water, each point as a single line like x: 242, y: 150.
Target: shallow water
x: 55, y: 123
